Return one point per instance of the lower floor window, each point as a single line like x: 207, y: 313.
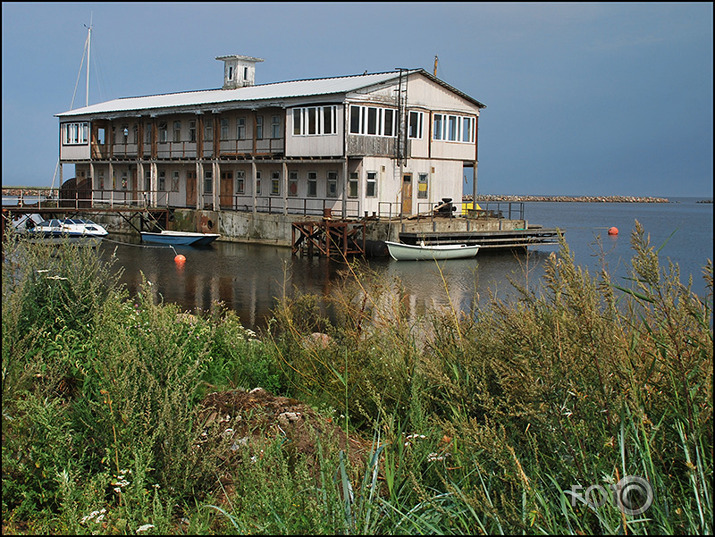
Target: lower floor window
x: 371, y: 185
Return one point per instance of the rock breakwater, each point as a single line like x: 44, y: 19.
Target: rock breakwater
x: 586, y: 199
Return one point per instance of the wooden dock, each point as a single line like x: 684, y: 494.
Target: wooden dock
x: 516, y: 238
x: 139, y: 218
x: 328, y: 238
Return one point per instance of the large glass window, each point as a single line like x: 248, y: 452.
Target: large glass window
x: 373, y: 121
x: 415, y: 125
x: 315, y: 120
x: 453, y: 128
x: 275, y: 127
x: 75, y: 133
x: 177, y: 131
x: 224, y: 129
x: 241, y: 128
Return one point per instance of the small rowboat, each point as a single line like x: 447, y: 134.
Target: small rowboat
x: 409, y: 252
x: 179, y: 238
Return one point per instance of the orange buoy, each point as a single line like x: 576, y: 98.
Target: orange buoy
x: 179, y: 259
x: 613, y: 231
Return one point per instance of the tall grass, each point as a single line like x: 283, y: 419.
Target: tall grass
x: 534, y: 415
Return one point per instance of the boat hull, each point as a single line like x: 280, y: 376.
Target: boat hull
x: 179, y: 238
x: 408, y: 252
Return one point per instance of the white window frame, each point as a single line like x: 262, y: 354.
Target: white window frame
x: 240, y: 182
x: 450, y: 128
x: 366, y: 127
x: 303, y: 126
x: 75, y: 133
x: 414, y: 130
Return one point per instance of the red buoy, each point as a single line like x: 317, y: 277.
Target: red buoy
x: 180, y: 259
x: 613, y: 231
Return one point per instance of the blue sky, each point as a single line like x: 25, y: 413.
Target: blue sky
x: 582, y: 98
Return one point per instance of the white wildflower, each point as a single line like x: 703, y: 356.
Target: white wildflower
x: 144, y: 527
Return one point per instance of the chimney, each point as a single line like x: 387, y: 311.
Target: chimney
x: 238, y: 71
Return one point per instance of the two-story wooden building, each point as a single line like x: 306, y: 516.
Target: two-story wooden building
x: 385, y: 143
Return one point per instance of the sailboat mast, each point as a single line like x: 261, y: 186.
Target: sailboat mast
x: 89, y: 43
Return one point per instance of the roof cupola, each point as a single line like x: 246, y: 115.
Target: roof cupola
x: 238, y: 71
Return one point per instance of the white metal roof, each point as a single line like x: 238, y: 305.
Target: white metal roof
x: 279, y: 90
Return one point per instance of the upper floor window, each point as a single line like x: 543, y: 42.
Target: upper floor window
x: 275, y: 127
x: 135, y: 133
x: 75, y: 133
x: 453, y: 128
x: 315, y: 120
x: 175, y: 181
x: 163, y: 136
x: 373, y: 121
x: 209, y: 131
x: 240, y: 182
x: 414, y: 129
x: 292, y: 183
x: 259, y: 127
x: 224, y: 129
x: 192, y: 131
x: 177, y: 131
x: 241, y: 128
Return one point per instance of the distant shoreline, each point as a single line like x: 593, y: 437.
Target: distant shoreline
x: 586, y: 199
x: 35, y: 191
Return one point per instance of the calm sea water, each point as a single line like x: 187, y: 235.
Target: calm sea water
x: 247, y: 278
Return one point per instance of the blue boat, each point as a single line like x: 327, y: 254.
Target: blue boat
x: 179, y: 238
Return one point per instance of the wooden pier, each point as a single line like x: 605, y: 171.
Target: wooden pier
x: 139, y: 218
x: 515, y: 238
x: 328, y: 238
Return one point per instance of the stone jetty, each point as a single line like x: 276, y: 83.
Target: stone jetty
x: 587, y: 199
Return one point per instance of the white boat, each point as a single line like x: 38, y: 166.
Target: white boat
x: 67, y: 229
x: 409, y: 252
x: 179, y: 238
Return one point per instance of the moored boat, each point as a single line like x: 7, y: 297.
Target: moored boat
x: 409, y: 252
x: 179, y: 238
x: 67, y: 229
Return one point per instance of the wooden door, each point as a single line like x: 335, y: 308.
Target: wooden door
x: 226, y: 192
x: 191, y: 189
x: 407, y: 194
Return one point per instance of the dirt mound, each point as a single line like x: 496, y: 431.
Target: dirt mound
x: 237, y: 423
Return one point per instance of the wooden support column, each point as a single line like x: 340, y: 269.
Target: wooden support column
x: 153, y: 182
x: 285, y: 187
x: 253, y: 189
x: 474, y: 186
x: 200, y: 185
x: 216, y: 170
x: 345, y: 188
